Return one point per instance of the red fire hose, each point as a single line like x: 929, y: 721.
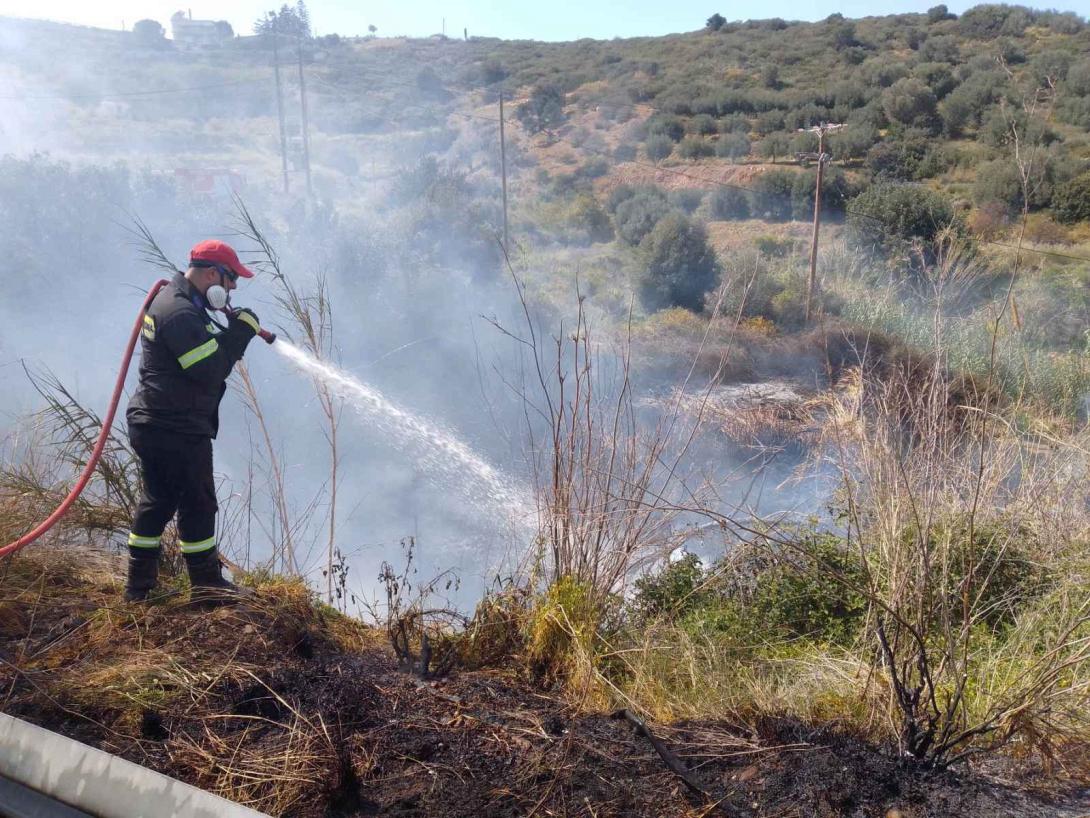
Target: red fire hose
x: 104, y: 435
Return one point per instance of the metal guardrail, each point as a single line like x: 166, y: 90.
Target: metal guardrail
x: 39, y: 768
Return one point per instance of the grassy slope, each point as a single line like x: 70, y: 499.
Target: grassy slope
x: 287, y: 706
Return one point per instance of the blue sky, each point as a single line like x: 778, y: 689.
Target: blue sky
x: 556, y: 20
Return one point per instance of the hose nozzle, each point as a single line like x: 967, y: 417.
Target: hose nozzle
x: 266, y: 336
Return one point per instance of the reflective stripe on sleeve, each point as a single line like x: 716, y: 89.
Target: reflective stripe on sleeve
x: 197, y: 547
x: 198, y: 354
x: 249, y: 319
x: 137, y: 541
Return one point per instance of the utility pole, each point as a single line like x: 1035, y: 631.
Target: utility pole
x: 822, y: 158
x: 503, y: 176
x: 303, y: 112
x: 280, y: 105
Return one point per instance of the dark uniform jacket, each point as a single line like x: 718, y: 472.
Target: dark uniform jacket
x: 184, y: 364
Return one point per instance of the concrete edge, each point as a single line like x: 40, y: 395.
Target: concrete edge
x: 99, y: 783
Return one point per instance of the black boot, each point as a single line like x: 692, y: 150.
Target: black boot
x: 207, y: 583
x: 143, y: 573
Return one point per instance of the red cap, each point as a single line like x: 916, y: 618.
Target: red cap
x: 218, y: 252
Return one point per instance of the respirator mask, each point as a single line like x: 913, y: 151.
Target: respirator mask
x: 216, y: 295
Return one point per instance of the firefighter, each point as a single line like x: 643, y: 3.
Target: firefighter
x: 173, y: 417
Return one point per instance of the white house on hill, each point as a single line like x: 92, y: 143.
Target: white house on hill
x: 190, y: 34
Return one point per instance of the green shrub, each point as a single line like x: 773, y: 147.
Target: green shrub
x: 544, y: 110
x: 736, y: 123
x: 703, y: 125
x: 673, y: 592
x: 773, y: 146
x: 587, y: 219
x: 1078, y: 78
x: 693, y: 147
x: 998, y: 183
x: 637, y: 216
x: 658, y: 147
x: 772, y: 195
x: 727, y: 203
x: 679, y: 265
x: 769, y: 122
x: 910, y: 102
x: 1071, y: 201
x: 897, y: 159
x: 686, y: 199
x: 888, y: 217
x: 733, y: 146
x: 666, y: 125
x: 987, y: 21
x: 812, y: 590
x: 937, y: 76
x: 853, y: 142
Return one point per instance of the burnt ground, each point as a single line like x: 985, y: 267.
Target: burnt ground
x: 300, y: 712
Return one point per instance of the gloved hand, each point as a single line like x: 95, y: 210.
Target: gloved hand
x: 244, y: 320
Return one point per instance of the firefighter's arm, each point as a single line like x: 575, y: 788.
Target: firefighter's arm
x: 199, y: 353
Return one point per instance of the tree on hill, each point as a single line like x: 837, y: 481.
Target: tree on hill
x: 1071, y: 201
x: 716, y: 22
x: 679, y: 265
x: 148, y: 32
x: 910, y: 102
x: 544, y: 110
x: 290, y: 21
x: 936, y: 14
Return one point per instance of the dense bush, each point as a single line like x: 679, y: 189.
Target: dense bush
x: 853, y: 142
x: 733, y: 146
x: 587, y: 218
x: 658, y: 147
x: 774, y: 146
x: 1071, y: 201
x: 686, y: 199
x: 888, y: 218
x: 544, y: 110
x: 726, y: 203
x: 637, y: 215
x: 937, y: 76
x: 772, y: 195
x: 693, y: 147
x: 703, y: 125
x: 987, y: 21
x: 666, y: 125
x: 679, y: 267
x: 898, y: 159
x: 999, y: 183
x: 910, y: 102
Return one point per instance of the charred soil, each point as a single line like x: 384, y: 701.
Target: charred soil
x: 299, y: 711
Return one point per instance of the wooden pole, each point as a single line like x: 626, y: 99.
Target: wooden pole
x: 503, y: 176
x: 811, y: 280
x: 280, y: 109
x: 303, y: 112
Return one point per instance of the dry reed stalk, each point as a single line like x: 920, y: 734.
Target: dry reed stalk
x: 284, y: 549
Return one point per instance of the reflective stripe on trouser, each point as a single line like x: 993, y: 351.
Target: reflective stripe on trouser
x: 197, y: 547
x: 136, y: 541
x: 177, y: 478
